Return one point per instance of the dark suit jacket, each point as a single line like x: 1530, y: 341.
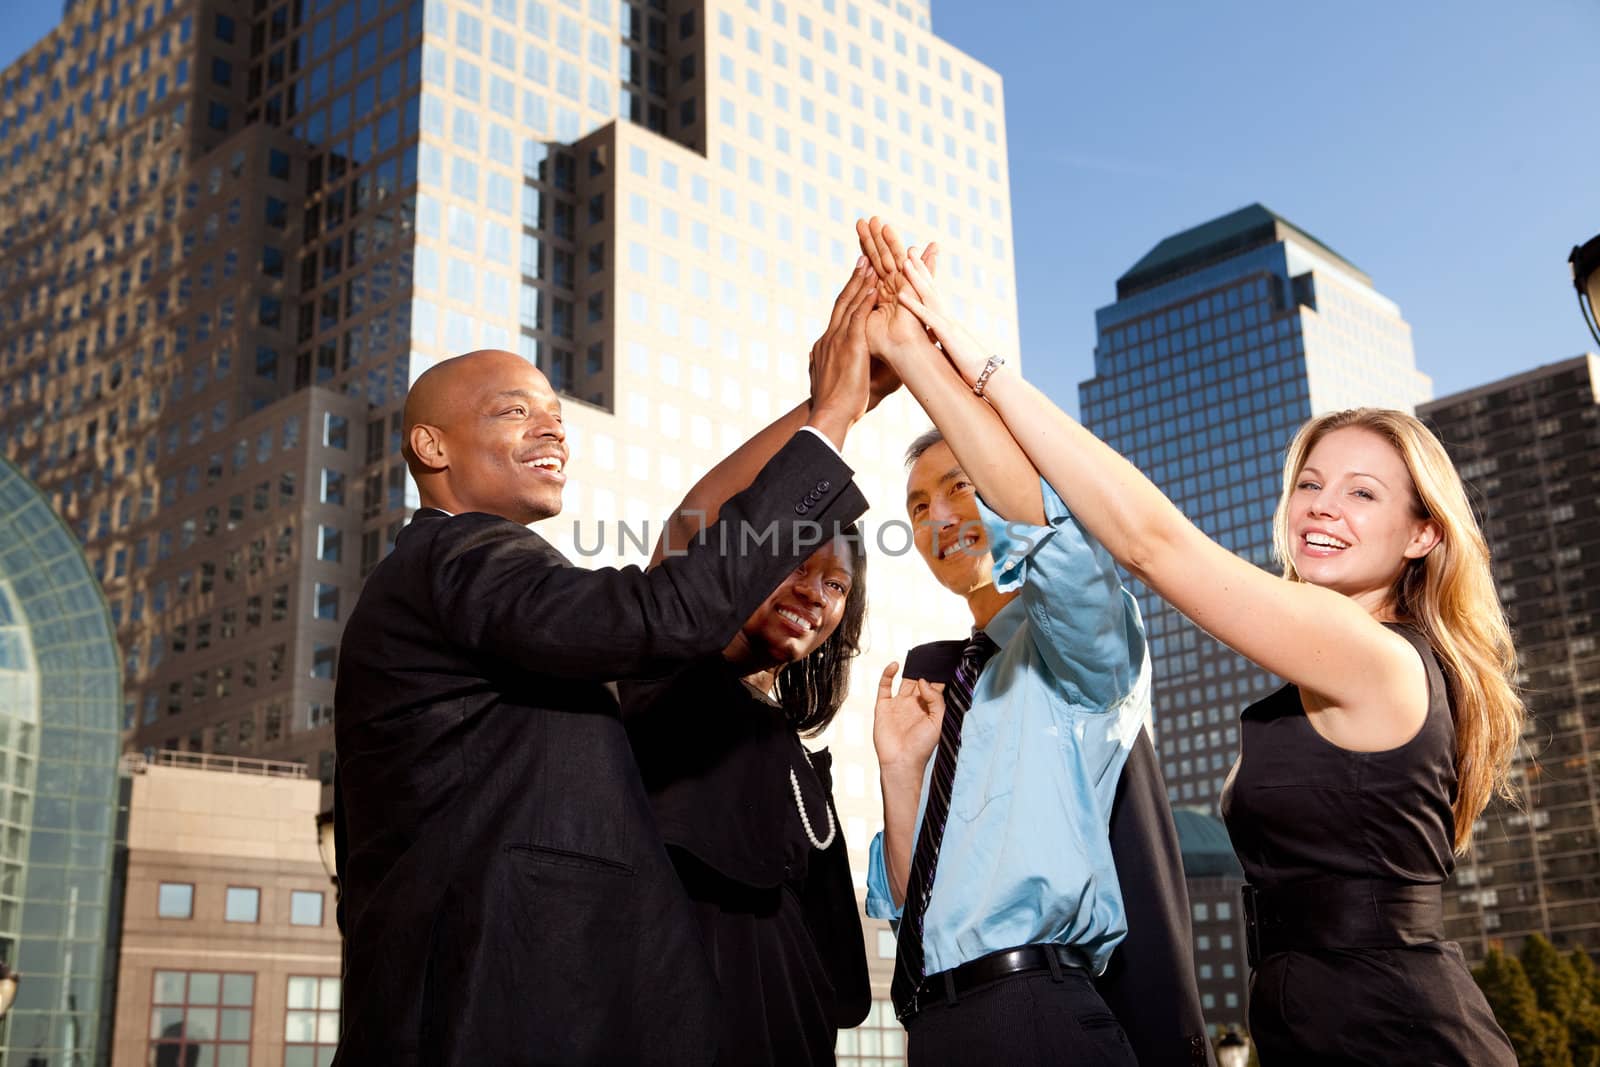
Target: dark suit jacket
x: 1149, y: 984
x: 506, y: 897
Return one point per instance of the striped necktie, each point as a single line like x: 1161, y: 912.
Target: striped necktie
x: 908, y: 967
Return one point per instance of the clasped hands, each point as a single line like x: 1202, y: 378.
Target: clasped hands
x: 888, y: 315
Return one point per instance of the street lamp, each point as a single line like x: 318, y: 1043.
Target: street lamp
x: 1233, y: 1050
x: 1585, y: 262
x: 8, y: 988
x: 326, y: 848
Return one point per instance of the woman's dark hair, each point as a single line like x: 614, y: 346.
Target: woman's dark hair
x: 812, y: 690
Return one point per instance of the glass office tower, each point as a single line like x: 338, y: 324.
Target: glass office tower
x: 59, y: 704
x: 1529, y: 449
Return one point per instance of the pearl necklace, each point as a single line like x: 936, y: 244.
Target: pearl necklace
x: 800, y: 806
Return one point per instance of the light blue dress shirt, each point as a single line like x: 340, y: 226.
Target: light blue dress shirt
x: 1026, y: 856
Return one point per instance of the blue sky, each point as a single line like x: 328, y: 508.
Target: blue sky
x: 1447, y: 150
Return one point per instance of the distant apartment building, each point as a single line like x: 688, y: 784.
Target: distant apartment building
x: 233, y: 233
x: 229, y: 954
x: 1528, y: 447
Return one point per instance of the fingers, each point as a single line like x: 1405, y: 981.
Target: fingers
x: 886, y: 682
x: 892, y: 242
x: 884, y: 253
x: 881, y: 265
x: 908, y: 300
x: 855, y: 323
x: 921, y: 283
x: 852, y: 288
x: 930, y: 257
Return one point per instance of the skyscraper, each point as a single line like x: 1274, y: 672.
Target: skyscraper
x: 1223, y: 340
x: 1529, y: 449
x: 234, y: 233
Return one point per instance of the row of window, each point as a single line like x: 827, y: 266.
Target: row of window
x: 206, y: 1017
x: 241, y: 904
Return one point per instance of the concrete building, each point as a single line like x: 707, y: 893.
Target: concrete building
x: 1529, y: 449
x: 230, y: 954
x: 1223, y: 340
x: 234, y: 233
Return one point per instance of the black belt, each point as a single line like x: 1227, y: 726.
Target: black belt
x: 950, y: 986
x: 1340, y: 913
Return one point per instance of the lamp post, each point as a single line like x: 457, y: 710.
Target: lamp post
x: 1585, y: 262
x: 8, y: 988
x: 326, y: 847
x: 1233, y: 1050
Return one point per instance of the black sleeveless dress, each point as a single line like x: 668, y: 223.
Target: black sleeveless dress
x: 778, y: 915
x: 1310, y: 820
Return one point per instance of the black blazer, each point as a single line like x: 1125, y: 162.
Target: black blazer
x: 506, y: 897
x: 1150, y: 983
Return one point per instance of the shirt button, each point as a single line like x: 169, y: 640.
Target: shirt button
x: 823, y: 486
x: 801, y: 509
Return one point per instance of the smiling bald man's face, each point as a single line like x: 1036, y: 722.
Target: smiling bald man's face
x: 484, y: 433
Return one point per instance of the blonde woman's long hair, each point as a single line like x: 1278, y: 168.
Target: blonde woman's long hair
x: 1448, y: 595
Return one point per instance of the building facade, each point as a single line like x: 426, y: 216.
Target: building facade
x: 230, y: 954
x: 1529, y: 450
x: 59, y: 717
x: 1213, y: 877
x: 1223, y: 340
x: 234, y: 232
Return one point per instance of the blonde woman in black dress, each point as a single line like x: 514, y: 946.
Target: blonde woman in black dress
x: 1360, y: 781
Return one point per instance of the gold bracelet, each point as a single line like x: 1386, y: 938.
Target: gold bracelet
x: 994, y: 364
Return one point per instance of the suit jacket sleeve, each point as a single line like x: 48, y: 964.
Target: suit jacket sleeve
x: 1150, y: 983
x: 513, y: 599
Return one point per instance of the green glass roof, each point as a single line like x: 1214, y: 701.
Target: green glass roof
x: 1212, y: 242
x: 1205, y: 845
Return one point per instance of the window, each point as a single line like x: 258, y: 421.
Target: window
x: 329, y: 540
x: 335, y: 431
x: 305, y: 908
x: 201, y: 1017
x: 332, y: 487
x: 175, y: 900
x: 311, y: 1027
x: 322, y: 661
x: 243, y: 905
x: 327, y: 601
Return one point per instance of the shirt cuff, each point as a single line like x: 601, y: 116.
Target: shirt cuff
x: 880, y: 901
x: 824, y: 439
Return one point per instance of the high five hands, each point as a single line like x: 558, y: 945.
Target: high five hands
x: 909, y: 315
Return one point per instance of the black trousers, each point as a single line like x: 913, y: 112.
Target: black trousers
x: 1023, y: 1020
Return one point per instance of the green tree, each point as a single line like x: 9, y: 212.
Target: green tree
x: 1538, y: 1036
x: 1583, y: 966
x: 1556, y: 985
x: 1583, y: 1036
x: 1583, y: 1030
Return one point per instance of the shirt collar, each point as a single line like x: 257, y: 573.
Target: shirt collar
x: 1004, y: 625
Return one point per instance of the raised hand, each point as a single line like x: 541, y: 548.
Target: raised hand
x: 841, y: 385
x: 892, y: 331
x: 919, y: 295
x: 905, y: 725
x: 884, y: 250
